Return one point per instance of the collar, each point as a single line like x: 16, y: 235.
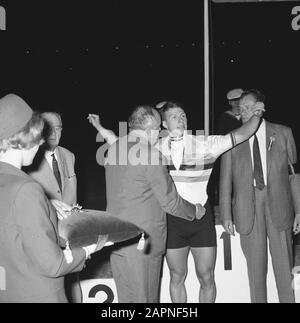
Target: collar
x: 49, y: 153
x: 164, y: 143
x: 260, y: 132
x: 262, y: 128
x: 182, y: 139
x: 176, y: 139
x: 6, y: 168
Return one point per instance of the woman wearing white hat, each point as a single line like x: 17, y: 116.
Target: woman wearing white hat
x: 30, y: 257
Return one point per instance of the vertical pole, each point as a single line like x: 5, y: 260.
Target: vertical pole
x: 2, y: 279
x: 206, y: 67
x: 2, y: 18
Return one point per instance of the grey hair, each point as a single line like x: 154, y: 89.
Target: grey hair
x: 45, y: 114
x: 141, y: 117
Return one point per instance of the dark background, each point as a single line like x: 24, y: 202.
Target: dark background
x: 108, y: 56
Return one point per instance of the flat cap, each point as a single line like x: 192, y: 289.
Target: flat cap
x: 15, y: 113
x: 234, y: 94
x: 160, y: 105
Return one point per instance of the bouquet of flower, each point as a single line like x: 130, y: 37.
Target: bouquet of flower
x: 85, y: 227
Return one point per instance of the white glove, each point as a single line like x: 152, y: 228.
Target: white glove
x: 90, y: 249
x: 62, y: 209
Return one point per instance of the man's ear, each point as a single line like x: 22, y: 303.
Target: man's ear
x: 164, y: 124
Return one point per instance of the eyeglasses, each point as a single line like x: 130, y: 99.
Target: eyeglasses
x: 57, y: 128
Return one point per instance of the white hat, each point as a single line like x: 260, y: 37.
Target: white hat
x: 161, y: 104
x: 15, y: 113
x: 234, y: 94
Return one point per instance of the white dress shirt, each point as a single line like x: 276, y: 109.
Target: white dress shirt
x: 49, y: 158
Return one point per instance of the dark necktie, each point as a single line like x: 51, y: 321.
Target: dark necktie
x: 56, y: 171
x: 258, y: 171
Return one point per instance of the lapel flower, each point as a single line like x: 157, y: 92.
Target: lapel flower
x: 272, y: 139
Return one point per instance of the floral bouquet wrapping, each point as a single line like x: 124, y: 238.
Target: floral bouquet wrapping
x: 85, y: 227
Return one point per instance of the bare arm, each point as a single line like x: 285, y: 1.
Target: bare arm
x: 108, y: 135
x: 249, y: 128
x: 223, y: 143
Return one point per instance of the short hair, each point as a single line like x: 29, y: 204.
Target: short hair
x: 141, y: 117
x: 28, y: 137
x: 257, y: 94
x: 57, y: 114
x: 168, y: 106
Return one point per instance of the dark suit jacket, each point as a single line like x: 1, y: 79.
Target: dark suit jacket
x: 237, y: 178
x: 142, y: 193
x: 29, y: 251
x: 43, y: 174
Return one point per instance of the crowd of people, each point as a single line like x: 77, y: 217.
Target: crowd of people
x: 159, y: 183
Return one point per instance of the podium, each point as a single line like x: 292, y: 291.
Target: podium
x: 230, y: 274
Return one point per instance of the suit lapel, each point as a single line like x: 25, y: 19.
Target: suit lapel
x: 48, y: 172
x: 53, y: 217
x: 244, y: 150
x: 242, y: 156
x: 270, y: 133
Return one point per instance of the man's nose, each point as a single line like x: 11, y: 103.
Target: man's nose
x: 53, y: 132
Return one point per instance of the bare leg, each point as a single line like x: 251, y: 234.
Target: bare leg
x: 205, y: 260
x: 177, y: 262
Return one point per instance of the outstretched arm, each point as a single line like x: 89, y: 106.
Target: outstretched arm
x: 220, y: 144
x: 249, y: 128
x: 107, y: 134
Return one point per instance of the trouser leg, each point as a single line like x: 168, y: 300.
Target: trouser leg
x: 254, y: 246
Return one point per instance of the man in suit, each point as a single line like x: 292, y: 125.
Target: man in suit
x: 265, y: 199
x: 140, y: 190
x: 54, y: 171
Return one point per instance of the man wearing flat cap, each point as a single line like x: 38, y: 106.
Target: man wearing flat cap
x: 230, y: 119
